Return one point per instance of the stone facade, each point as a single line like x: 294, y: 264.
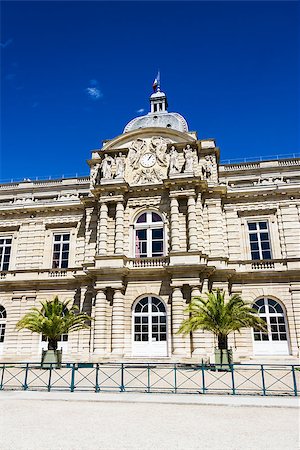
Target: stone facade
x: 159, y: 219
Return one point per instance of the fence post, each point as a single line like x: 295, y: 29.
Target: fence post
x: 203, y: 379
x: 175, y: 378
x: 2, y: 377
x: 148, y: 378
x: 97, y: 388
x: 49, y: 380
x: 72, y: 385
x: 25, y: 385
x: 263, y: 379
x: 295, y: 381
x: 122, y: 387
x: 232, y: 378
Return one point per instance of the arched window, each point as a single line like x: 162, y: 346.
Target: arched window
x: 149, y: 235
x: 150, y: 327
x: 275, y: 341
x: 2, y: 323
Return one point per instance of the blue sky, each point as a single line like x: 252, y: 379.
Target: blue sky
x: 74, y: 73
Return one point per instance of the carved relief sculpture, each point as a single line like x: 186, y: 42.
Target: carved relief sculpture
x: 120, y: 166
x: 189, y: 159
x: 158, y: 145
x: 174, y: 162
x: 135, y: 150
x: 94, y: 175
x: 106, y: 167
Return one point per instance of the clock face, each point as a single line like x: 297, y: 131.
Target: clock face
x: 148, y: 160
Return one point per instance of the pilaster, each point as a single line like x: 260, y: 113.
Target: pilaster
x: 192, y: 223
x: 103, y: 229
x: 119, y: 231
x: 100, y: 325
x: 118, y: 323
x: 175, y: 241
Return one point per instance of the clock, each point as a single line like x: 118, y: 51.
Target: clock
x: 148, y: 160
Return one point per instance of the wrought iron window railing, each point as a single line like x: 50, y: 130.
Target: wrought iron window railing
x: 234, y: 379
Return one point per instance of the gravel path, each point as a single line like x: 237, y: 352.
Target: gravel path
x: 71, y: 425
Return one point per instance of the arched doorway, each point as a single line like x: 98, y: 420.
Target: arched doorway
x: 275, y: 341
x: 149, y: 324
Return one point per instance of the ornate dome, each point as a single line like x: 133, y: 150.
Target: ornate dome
x: 158, y: 116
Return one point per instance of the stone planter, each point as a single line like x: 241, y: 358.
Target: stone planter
x: 223, y: 358
x: 51, y: 359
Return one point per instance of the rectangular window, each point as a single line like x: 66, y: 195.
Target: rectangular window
x: 61, y: 248
x: 259, y: 237
x: 5, y: 250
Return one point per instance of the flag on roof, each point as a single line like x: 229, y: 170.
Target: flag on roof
x: 156, y: 82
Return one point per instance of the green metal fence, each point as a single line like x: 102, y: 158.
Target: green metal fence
x: 234, y: 379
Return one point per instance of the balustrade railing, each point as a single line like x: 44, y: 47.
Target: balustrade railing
x: 147, y: 262
x: 263, y: 265
x: 251, y: 379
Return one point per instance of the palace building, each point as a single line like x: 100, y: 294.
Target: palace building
x: 158, y: 221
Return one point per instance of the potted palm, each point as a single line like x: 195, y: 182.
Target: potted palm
x: 52, y: 320
x: 221, y: 317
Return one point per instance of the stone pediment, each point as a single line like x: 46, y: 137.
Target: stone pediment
x: 147, y: 157
x: 124, y: 140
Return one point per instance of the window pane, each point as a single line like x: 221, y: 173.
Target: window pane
x: 142, y: 218
x: 266, y: 254
x: 283, y: 337
x: 265, y: 245
x: 255, y: 255
x: 157, y: 247
x: 157, y: 234
x: 252, y: 226
x: 253, y: 237
x: 141, y: 234
x: 64, y: 264
x: 65, y: 247
x: 144, y: 337
x: 66, y: 237
x: 264, y: 236
x: 163, y: 337
x: 254, y: 246
x: 156, y: 218
x: 144, y: 319
x: 262, y: 225
x: 57, y: 237
x: 275, y: 337
x: 155, y: 319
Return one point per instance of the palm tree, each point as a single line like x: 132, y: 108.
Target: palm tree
x: 220, y: 317
x: 53, y: 319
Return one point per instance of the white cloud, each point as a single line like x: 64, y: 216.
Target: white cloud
x: 94, y: 92
x: 6, y: 43
x: 140, y: 110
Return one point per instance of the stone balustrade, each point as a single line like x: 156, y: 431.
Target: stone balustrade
x: 142, y: 263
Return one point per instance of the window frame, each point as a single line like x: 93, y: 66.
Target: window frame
x: 149, y: 226
x: 267, y: 316
x: 259, y: 241
x: 61, y: 242
x: 5, y: 237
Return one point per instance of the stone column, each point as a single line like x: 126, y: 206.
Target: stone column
x: 198, y: 336
x: 179, y: 345
x: 100, y: 325
x: 119, y: 231
x: 103, y: 229
x: 294, y: 322
x: 118, y: 323
x: 192, y: 223
x: 175, y: 242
